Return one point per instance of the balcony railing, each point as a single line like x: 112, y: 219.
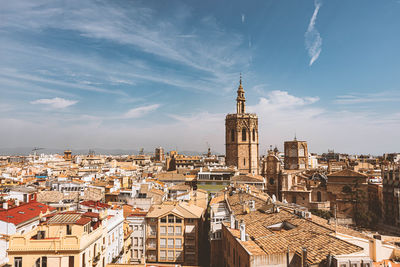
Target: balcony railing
x: 152, y: 233
x: 151, y: 257
x: 96, y: 259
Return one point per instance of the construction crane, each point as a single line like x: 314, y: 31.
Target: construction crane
x: 36, y: 149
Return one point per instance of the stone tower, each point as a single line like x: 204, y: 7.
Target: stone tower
x: 241, y: 137
x: 296, y: 155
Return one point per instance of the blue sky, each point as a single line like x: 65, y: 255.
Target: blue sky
x: 131, y: 74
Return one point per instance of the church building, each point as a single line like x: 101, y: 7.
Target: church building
x: 241, y: 137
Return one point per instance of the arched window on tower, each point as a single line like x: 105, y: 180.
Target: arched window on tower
x: 254, y: 134
x: 233, y: 135
x: 244, y: 134
x: 319, y: 197
x: 242, y: 108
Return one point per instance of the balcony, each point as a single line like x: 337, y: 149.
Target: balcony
x: 151, y: 257
x: 63, y: 243
x: 152, y: 234
x: 151, y: 247
x: 96, y: 259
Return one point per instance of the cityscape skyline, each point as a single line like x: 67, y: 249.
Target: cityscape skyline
x: 145, y: 74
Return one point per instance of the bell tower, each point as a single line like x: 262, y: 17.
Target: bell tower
x: 241, y: 136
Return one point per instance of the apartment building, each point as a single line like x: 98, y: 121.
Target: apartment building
x: 114, y: 236
x: 18, y: 218
x: 62, y: 239
x: 137, y: 224
x: 173, y: 233
x: 391, y: 194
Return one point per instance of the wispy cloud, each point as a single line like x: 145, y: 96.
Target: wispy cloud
x: 359, y: 98
x: 136, y: 26
x: 54, y: 103
x: 243, y: 18
x: 14, y: 74
x: 140, y: 111
x: 313, y: 40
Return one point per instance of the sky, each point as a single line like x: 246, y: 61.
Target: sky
x: 130, y: 74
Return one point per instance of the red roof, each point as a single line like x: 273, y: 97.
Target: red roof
x: 83, y: 221
x: 24, y: 212
x: 95, y: 204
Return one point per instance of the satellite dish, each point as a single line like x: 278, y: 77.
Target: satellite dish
x: 273, y: 198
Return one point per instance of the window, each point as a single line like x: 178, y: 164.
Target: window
x: 170, y: 255
x: 178, y: 230
x: 170, y: 243
x: 163, y: 230
x: 244, y: 161
x: 171, y: 219
x: 233, y: 135
x: 69, y: 230
x: 319, y: 198
x: 178, y: 220
x: 44, y: 261
x: 178, y: 243
x: 135, y: 243
x: 163, y: 242
x: 164, y: 219
x: 41, y: 235
x: 71, y: 260
x: 244, y: 134
x: 170, y: 230
x: 163, y: 254
x: 83, y: 260
x: 254, y: 134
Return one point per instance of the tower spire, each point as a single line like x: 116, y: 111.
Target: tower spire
x: 240, y: 100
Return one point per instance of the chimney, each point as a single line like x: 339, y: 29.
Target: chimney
x: 304, y: 257
x: 232, y: 221
x: 16, y: 202
x: 242, y: 231
x: 5, y: 205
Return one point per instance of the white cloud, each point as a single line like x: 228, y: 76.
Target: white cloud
x: 55, y: 103
x: 140, y: 111
x: 313, y: 40
x: 243, y: 18
x: 280, y: 114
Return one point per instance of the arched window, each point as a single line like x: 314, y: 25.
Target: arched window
x: 244, y: 134
x: 233, y: 135
x: 242, y: 108
x: 254, y: 135
x: 319, y: 198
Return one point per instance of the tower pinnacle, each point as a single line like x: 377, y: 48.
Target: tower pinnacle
x: 240, y: 100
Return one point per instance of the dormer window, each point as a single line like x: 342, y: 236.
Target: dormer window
x: 281, y: 226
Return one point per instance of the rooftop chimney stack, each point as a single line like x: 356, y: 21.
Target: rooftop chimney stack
x: 232, y: 221
x: 242, y: 231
